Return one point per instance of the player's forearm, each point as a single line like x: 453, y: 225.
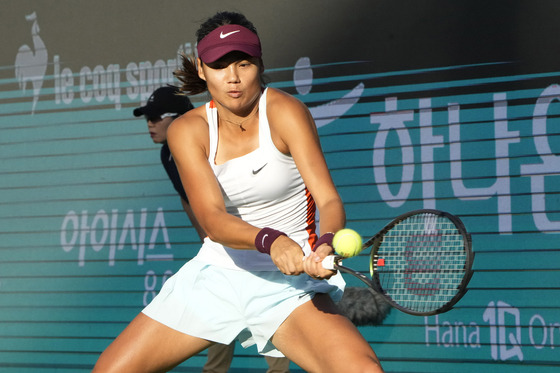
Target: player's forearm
x: 196, y: 225
x: 332, y: 216
x: 230, y: 231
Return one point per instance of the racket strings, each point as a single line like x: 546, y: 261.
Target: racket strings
x: 423, y: 262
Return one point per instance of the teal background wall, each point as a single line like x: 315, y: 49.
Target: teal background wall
x: 432, y: 104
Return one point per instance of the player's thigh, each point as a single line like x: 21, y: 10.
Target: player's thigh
x: 315, y: 336
x: 148, y: 346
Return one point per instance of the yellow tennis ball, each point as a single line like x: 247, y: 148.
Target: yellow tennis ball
x: 347, y: 243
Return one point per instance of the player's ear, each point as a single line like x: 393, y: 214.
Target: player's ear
x: 199, y: 69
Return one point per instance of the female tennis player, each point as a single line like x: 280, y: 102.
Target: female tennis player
x: 252, y: 165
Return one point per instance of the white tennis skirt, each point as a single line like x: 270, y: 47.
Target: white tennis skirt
x: 220, y: 304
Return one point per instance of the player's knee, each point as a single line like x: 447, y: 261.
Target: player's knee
x: 367, y: 364
x: 372, y: 366
x: 111, y: 364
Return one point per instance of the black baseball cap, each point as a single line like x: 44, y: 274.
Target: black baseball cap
x: 165, y: 100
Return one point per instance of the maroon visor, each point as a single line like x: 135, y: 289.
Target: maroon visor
x: 228, y: 38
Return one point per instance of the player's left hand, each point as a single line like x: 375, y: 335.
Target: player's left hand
x: 312, y: 264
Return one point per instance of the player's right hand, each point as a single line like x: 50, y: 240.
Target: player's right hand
x: 287, y: 255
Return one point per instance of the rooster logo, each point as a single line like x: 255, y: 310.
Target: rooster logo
x: 31, y: 64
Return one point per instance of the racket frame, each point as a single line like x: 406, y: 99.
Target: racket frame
x: 375, y: 243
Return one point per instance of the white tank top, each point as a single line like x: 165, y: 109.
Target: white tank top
x: 265, y: 189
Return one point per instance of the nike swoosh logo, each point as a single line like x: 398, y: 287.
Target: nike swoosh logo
x: 256, y: 171
x: 304, y: 294
x: 223, y: 36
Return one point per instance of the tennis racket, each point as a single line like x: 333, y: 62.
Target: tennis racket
x: 421, y: 262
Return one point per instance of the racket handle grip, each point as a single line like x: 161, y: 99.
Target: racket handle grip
x: 330, y: 261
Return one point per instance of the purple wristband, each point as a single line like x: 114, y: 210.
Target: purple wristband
x: 326, y: 238
x: 265, y: 238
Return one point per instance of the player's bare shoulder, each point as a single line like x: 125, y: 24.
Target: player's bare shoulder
x: 191, y: 120
x: 190, y: 128
x: 284, y: 108
x: 289, y: 120
x: 280, y: 101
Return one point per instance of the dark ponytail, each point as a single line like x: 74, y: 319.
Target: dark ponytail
x: 187, y: 74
